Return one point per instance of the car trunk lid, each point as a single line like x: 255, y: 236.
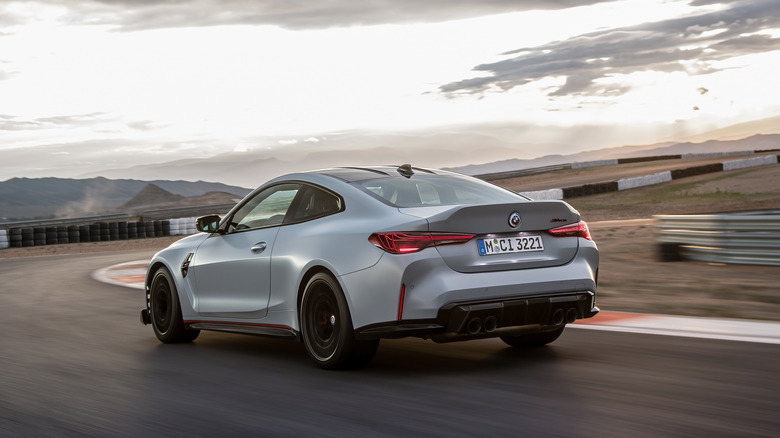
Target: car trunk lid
x: 506, y: 236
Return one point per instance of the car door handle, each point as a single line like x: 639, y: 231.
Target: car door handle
x: 259, y: 247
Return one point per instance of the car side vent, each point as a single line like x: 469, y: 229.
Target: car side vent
x: 406, y: 170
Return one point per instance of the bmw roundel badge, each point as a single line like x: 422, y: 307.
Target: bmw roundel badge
x: 514, y: 220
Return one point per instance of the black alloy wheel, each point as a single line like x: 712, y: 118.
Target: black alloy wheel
x: 165, y: 312
x: 326, y: 327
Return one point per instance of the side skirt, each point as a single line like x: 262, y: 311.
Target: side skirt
x: 244, y: 327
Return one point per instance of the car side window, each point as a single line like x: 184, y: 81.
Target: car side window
x: 315, y: 202
x: 266, y: 209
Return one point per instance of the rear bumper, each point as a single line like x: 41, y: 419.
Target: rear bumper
x: 484, y: 319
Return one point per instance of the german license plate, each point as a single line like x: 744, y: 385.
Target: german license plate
x: 503, y: 245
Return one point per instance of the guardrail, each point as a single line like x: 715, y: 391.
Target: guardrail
x: 744, y: 238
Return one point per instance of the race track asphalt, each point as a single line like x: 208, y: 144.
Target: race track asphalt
x: 75, y: 361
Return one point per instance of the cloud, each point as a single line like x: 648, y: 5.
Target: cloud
x: 12, y: 123
x: 690, y: 44
x: 132, y: 15
x: 145, y: 125
x: 5, y: 75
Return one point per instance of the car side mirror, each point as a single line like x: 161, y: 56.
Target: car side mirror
x: 207, y: 224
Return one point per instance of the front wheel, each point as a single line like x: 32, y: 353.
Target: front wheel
x: 326, y: 327
x: 165, y: 312
x: 533, y: 339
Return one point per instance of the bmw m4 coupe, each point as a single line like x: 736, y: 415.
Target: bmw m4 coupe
x: 341, y: 258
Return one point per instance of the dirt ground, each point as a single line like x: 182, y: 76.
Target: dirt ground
x: 631, y: 276
x: 633, y: 279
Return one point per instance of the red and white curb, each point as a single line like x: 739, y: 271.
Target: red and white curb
x: 132, y: 274
x: 686, y: 326
x: 129, y: 274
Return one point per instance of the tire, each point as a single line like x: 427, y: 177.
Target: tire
x: 132, y: 230
x: 326, y: 327
x: 122, y: 228
x: 28, y: 237
x: 15, y: 237
x: 165, y: 311
x: 84, y: 233
x: 73, y: 234
x: 140, y: 230
x: 533, y: 339
x: 94, y: 232
x: 39, y: 236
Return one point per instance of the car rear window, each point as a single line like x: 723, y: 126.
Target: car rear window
x: 433, y: 190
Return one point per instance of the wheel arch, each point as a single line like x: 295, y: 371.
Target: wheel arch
x: 150, y: 270
x: 181, y: 288
x: 311, y: 272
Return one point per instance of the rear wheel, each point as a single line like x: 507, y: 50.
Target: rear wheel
x: 165, y: 312
x: 326, y: 327
x: 533, y: 339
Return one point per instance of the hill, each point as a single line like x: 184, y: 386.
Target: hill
x: 755, y: 142
x: 32, y: 198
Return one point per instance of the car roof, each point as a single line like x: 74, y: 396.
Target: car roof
x: 352, y: 174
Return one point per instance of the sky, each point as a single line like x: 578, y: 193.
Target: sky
x: 118, y: 83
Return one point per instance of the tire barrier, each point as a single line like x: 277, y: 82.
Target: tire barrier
x: 609, y: 162
x: 523, y: 172
x: 595, y: 163
x: 62, y: 234
x: 28, y: 237
x: 74, y: 236
x: 744, y: 238
x: 84, y: 233
x: 647, y: 180
x: 120, y: 230
x: 113, y: 231
x: 656, y: 178
x: 94, y: 232
x: 749, y: 162
x: 721, y: 154
x: 51, y: 236
x: 646, y: 159
x: 544, y: 195
x: 105, y: 233
x: 697, y: 170
x: 15, y: 238
x: 39, y: 236
x: 590, y: 189
x: 182, y: 226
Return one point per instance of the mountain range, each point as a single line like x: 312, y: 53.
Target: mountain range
x: 29, y: 198
x: 753, y: 143
x: 32, y: 198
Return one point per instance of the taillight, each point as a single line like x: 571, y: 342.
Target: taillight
x: 405, y: 243
x: 580, y: 229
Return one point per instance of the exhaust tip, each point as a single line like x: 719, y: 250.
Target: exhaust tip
x: 571, y: 315
x: 490, y: 324
x: 558, y: 317
x: 474, y: 326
